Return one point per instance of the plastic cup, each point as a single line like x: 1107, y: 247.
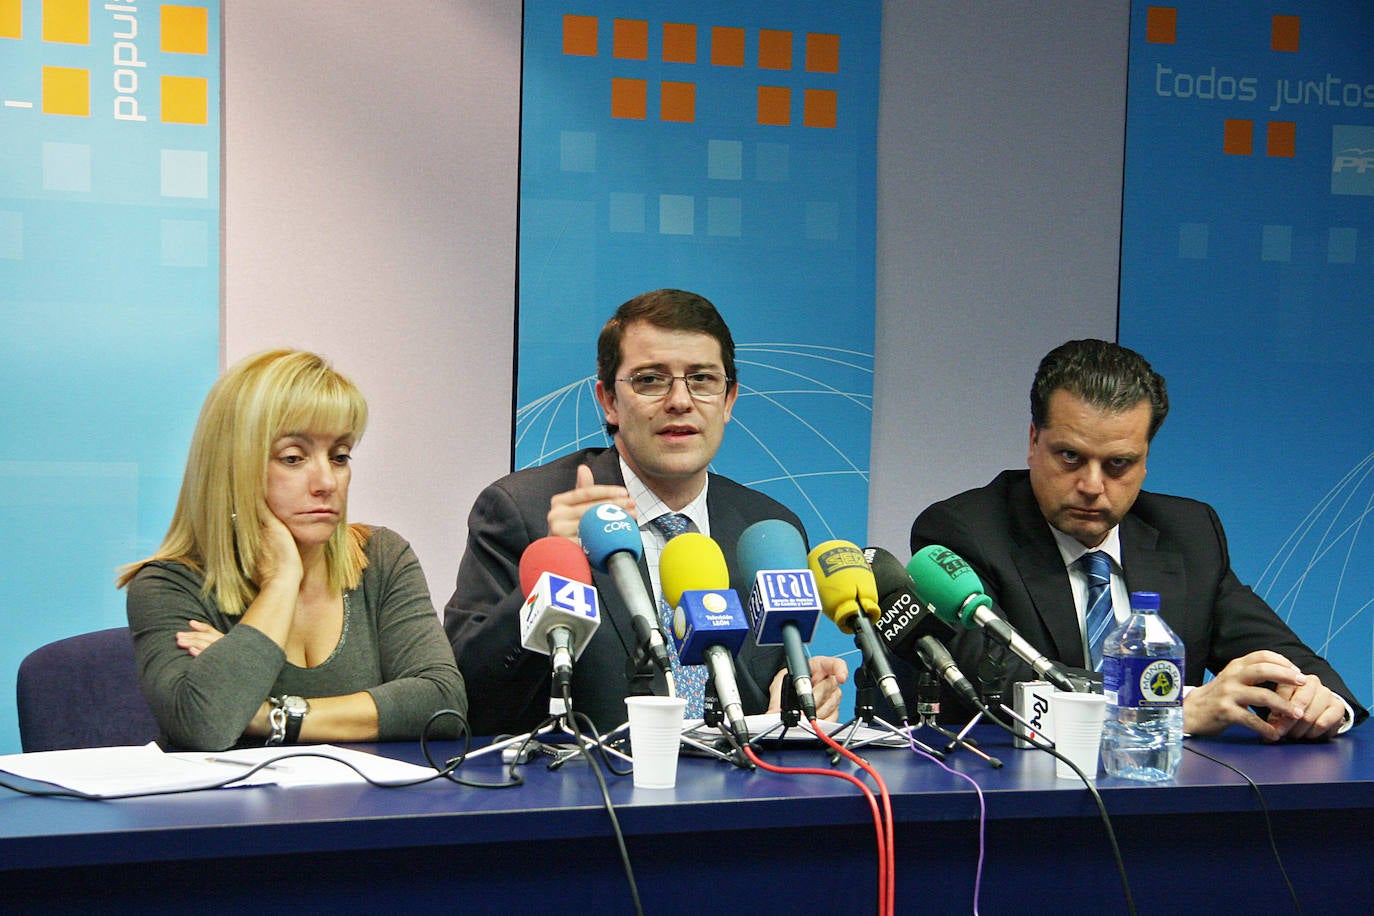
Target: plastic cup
x: 1077, y: 731
x: 655, y: 734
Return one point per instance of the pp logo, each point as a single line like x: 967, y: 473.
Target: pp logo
x: 1352, y: 160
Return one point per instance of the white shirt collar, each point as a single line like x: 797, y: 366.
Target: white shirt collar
x: 1070, y: 549
x: 650, y: 507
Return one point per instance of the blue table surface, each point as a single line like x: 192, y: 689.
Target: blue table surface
x: 710, y: 795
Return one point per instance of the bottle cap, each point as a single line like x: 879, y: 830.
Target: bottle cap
x: 1144, y: 601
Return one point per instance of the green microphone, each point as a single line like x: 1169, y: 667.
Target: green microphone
x: 948, y: 585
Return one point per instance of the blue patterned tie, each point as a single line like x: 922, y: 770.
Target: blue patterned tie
x: 690, y: 679
x: 1099, y: 616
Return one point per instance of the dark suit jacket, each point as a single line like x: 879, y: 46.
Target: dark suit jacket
x: 1170, y: 545
x: 508, y: 686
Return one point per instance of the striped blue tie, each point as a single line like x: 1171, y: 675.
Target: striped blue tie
x: 690, y: 679
x: 1099, y: 615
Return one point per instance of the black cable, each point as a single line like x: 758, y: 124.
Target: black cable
x: 1268, y: 824
x: 606, y: 799
x: 450, y: 766
x: 1035, y: 739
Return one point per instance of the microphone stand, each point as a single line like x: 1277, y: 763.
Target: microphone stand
x: 714, y: 717
x: 928, y: 709
x: 556, y: 729
x: 865, y: 713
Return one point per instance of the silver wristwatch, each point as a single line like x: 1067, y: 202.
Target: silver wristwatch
x: 287, y: 714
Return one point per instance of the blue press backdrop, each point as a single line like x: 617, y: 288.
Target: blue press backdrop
x: 770, y: 218
x: 1247, y: 265
x: 109, y: 300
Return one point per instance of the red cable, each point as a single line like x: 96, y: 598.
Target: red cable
x: 889, y: 898
x: 878, y: 821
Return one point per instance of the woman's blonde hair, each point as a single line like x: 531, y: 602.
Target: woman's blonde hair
x: 215, y: 529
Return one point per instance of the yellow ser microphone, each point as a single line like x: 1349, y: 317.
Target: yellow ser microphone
x: 849, y: 596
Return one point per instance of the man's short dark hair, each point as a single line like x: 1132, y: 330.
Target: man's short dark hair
x: 1104, y: 375
x: 672, y: 310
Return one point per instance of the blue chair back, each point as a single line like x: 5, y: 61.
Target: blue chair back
x: 83, y: 691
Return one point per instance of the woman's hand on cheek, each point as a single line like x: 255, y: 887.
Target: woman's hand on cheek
x: 281, y: 558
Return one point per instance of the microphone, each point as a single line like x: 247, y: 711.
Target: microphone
x: 709, y: 626
x: 910, y: 627
x: 954, y: 592
x: 561, y: 613
x: 849, y: 596
x: 783, y: 604
x: 611, y: 539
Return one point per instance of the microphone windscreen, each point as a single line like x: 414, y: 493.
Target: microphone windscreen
x: 770, y: 544
x: 888, y: 572
x: 946, y: 582
x: 557, y: 555
x: 845, y: 582
x: 691, y: 562
x: 605, y: 530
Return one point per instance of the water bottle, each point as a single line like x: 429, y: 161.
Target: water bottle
x: 1142, y: 677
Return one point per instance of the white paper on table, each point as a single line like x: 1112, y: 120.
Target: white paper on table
x: 301, y: 765
x: 111, y: 771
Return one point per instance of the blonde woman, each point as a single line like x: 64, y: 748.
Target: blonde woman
x: 265, y: 617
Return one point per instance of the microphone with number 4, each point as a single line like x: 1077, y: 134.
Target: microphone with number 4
x: 561, y: 612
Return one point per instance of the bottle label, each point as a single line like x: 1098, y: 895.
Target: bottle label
x: 1143, y: 683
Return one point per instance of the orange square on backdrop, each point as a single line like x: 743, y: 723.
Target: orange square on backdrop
x: 775, y: 49
x: 185, y: 99
x: 1283, y: 34
x: 775, y: 105
x: 679, y: 43
x: 67, y: 21
x: 822, y: 53
x: 818, y: 107
x: 629, y: 98
x: 1239, y: 137
x: 579, y: 35
x: 1281, y: 139
x: 727, y: 46
x: 1161, y: 25
x: 11, y: 19
x: 185, y: 29
x: 67, y: 91
x: 631, y: 39
x: 677, y: 102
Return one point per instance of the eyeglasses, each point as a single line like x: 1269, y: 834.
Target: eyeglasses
x: 653, y: 384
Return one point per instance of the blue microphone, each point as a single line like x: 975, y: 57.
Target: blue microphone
x: 613, y: 545
x: 709, y: 626
x: 784, y: 604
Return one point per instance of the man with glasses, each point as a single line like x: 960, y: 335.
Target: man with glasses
x: 666, y: 383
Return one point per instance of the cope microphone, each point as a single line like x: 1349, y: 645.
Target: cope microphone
x: 561, y: 613
x: 849, y: 596
x: 708, y: 622
x: 912, y: 628
x: 784, y: 604
x: 613, y: 545
x: 953, y: 590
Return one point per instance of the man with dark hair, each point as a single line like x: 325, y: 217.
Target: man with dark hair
x: 666, y: 385
x: 1035, y: 537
